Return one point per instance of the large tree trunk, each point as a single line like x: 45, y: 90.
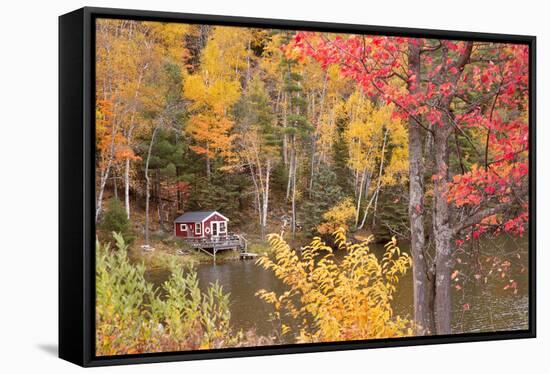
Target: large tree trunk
x: 423, y: 309
x: 442, y: 225
x: 442, y: 234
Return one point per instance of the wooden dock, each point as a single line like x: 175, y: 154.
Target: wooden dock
x: 247, y: 255
x: 213, y: 245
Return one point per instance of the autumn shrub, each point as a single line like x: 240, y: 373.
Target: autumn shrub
x: 339, y: 216
x: 330, y: 300
x: 133, y: 317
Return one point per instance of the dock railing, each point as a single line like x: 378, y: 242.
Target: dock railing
x: 227, y: 241
x: 213, y: 244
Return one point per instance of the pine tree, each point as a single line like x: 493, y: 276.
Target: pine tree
x: 325, y: 193
x: 259, y: 143
x: 297, y: 127
x: 115, y: 220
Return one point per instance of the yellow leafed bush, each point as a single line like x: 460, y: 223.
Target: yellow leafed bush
x: 337, y: 217
x: 330, y: 300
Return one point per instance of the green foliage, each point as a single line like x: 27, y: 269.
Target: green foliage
x: 190, y: 316
x: 324, y: 194
x: 254, y: 114
x: 116, y: 220
x: 261, y: 248
x: 298, y: 124
x: 167, y: 154
x: 340, y: 155
x: 132, y: 317
x: 393, y: 218
x: 223, y: 193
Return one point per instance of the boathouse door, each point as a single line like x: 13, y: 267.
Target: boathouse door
x: 215, y: 228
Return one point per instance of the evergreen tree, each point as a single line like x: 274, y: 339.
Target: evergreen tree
x: 116, y: 220
x: 296, y: 129
x: 258, y: 143
x: 224, y: 193
x: 325, y: 193
x: 392, y: 219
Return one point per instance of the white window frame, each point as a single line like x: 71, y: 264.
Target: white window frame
x: 224, y: 231
x: 183, y: 227
x: 198, y: 228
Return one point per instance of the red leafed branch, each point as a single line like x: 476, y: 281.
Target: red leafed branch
x: 480, y: 87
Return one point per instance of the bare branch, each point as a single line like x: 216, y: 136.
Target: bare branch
x: 478, y: 216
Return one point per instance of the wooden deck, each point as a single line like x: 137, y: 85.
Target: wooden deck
x: 213, y: 245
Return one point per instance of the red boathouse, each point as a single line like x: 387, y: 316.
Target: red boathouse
x: 196, y: 225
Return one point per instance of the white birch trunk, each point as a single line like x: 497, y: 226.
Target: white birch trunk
x: 265, y: 202
x: 148, y: 184
x: 374, y: 197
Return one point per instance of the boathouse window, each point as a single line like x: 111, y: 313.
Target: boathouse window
x: 183, y: 227
x: 222, y: 227
x: 198, y: 229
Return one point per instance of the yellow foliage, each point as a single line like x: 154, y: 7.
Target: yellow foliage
x: 225, y: 55
x: 129, y: 57
x: 270, y: 63
x: 364, y: 135
x: 337, y: 300
x: 338, y: 217
x: 333, y: 111
x: 170, y: 36
x: 215, y: 95
x: 215, y: 88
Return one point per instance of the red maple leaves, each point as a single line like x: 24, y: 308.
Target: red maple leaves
x: 487, y: 85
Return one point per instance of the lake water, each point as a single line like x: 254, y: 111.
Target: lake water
x: 490, y: 307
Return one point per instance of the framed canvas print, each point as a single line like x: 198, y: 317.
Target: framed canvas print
x: 235, y: 186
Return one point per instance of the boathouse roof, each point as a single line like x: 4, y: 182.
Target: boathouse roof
x: 199, y: 216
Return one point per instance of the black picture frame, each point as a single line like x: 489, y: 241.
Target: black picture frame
x: 76, y: 185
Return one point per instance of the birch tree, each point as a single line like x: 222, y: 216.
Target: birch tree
x: 213, y: 90
x: 258, y: 144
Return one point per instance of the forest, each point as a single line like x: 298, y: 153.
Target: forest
x: 319, y: 142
